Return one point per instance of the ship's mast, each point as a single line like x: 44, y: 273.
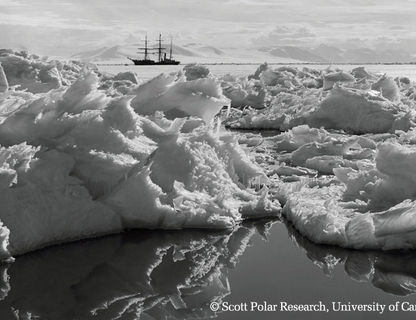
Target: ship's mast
x: 170, y: 51
x: 145, y: 48
x: 160, y: 47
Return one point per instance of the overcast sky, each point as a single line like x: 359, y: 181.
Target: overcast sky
x: 59, y: 26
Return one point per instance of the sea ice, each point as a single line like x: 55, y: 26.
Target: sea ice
x: 372, y: 208
x: 84, y: 153
x: 4, y: 85
x: 79, y: 159
x: 202, y: 98
x: 195, y: 71
x: 336, y: 77
x: 357, y: 102
x: 387, y: 87
x: 359, y: 112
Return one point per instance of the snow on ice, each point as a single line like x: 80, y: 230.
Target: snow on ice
x: 80, y: 157
x: 342, y: 165
x: 85, y: 153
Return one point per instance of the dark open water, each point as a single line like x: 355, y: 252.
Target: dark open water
x: 176, y: 275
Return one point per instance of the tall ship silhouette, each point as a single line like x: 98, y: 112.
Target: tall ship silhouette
x: 160, y: 51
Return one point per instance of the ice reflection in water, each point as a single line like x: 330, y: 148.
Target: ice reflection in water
x: 392, y: 271
x: 151, y: 275
x: 165, y: 275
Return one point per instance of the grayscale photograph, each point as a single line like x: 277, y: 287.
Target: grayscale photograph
x: 207, y: 159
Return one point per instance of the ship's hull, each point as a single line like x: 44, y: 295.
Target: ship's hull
x: 138, y: 62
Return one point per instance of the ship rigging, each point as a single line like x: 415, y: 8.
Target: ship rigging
x: 161, y: 53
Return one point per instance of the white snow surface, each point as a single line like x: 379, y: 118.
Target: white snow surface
x: 343, y: 164
x: 362, y: 195
x: 84, y: 154
x: 357, y: 102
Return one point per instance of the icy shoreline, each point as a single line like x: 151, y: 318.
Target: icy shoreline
x: 84, y: 153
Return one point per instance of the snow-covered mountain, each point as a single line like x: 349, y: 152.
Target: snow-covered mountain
x: 295, y: 53
x: 104, y: 54
x: 329, y: 53
x: 187, y: 53
x: 120, y: 53
x: 195, y: 52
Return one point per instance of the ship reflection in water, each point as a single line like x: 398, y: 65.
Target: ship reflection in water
x: 173, y: 275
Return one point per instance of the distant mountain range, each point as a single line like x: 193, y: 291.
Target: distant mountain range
x: 331, y: 54
x: 194, y: 52
x: 187, y: 53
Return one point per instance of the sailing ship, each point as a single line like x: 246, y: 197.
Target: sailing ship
x: 161, y: 52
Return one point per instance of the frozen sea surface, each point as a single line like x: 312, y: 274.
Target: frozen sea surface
x: 149, y: 72
x: 176, y: 275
